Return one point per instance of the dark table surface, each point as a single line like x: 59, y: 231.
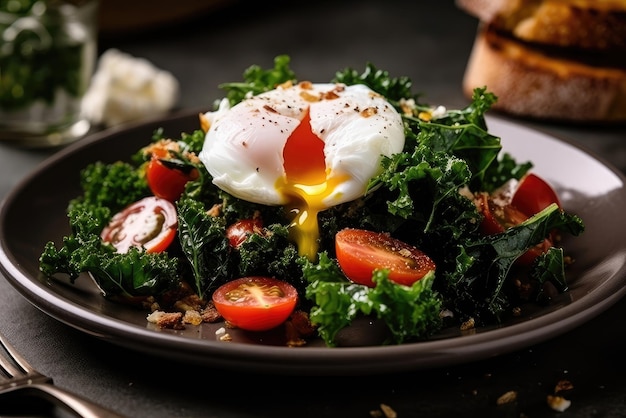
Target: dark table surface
x: 427, y: 41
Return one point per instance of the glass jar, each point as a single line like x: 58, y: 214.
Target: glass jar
x: 48, y: 50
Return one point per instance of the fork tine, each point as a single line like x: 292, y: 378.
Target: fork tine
x: 23, y: 376
x: 23, y: 368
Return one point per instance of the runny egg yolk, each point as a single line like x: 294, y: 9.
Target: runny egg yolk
x: 305, y: 185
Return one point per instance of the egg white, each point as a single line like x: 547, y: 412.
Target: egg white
x: 243, y: 148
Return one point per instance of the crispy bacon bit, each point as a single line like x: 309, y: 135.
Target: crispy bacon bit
x: 563, y: 385
x: 171, y: 146
x: 297, y: 328
x: 309, y: 97
x: 189, y: 302
x: 301, y: 322
x: 216, y: 210
x: 330, y: 95
x: 210, y: 314
x: 293, y: 337
x: 287, y: 84
x: 370, y: 111
x: 166, y: 320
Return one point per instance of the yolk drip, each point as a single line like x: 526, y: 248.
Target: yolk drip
x: 305, y: 185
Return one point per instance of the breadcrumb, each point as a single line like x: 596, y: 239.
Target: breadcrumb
x: 467, y: 325
x: 171, y: 320
x: 192, y: 317
x: 558, y: 403
x: 508, y: 397
x: 385, y: 411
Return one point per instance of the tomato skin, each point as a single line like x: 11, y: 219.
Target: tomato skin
x: 498, y: 218
x: 255, y: 303
x: 533, y: 194
x: 128, y: 229
x: 359, y: 252
x: 167, y: 182
x: 238, y: 232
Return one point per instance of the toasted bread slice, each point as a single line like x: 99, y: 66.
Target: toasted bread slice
x: 530, y: 83
x: 598, y: 25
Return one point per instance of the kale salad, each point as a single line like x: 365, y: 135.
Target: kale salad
x: 449, y: 229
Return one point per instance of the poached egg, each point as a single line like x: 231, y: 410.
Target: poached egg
x: 306, y: 147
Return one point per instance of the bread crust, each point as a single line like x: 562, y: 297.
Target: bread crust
x: 532, y: 84
x: 590, y: 25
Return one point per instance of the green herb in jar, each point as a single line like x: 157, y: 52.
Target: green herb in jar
x: 41, y: 53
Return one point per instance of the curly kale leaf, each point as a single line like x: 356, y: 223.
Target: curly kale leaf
x: 393, y: 88
x: 464, y: 134
x: 447, y: 154
x: 425, y: 177
x: 337, y: 301
x: 194, y: 141
x: 550, y: 268
x: 257, y: 80
x: 506, y: 168
x: 474, y: 113
x: 475, y: 146
x: 203, y: 240
x: 114, y: 186
x: 188, y: 142
x: 410, y: 312
x: 132, y: 274
x: 85, y: 227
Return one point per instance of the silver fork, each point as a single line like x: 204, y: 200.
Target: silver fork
x: 17, y: 375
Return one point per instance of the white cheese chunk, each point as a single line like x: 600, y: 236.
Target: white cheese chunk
x: 125, y: 88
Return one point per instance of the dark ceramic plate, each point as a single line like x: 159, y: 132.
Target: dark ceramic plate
x: 34, y: 213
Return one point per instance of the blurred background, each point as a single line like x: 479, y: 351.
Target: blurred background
x: 205, y: 43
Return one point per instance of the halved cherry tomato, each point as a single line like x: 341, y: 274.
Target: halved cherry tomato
x: 255, y: 303
x: 167, y: 178
x: 360, y: 252
x: 533, y: 194
x: 149, y: 223
x: 238, y: 232
x: 498, y: 218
